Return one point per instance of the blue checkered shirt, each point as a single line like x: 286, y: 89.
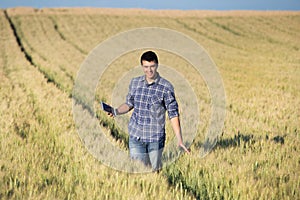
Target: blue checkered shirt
x: 150, y: 103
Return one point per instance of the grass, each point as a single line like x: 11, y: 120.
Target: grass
x: 256, y: 157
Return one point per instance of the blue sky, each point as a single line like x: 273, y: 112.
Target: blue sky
x: 162, y: 4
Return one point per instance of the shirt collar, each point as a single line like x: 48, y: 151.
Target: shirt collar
x: 154, y: 82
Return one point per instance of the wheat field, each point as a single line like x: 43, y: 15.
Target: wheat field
x: 256, y: 156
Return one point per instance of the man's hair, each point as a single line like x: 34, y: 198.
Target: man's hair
x: 149, y: 56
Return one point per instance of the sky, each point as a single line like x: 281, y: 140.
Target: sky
x: 161, y: 4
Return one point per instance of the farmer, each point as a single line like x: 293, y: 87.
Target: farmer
x: 150, y: 96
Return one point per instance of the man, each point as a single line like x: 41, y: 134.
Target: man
x: 150, y: 96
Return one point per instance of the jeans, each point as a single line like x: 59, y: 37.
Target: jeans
x: 149, y: 153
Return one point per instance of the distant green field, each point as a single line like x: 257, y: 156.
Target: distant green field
x: 257, y: 155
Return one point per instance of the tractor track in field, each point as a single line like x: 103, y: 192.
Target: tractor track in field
x: 198, y: 32
x: 64, y: 38
x: 18, y: 40
x: 26, y: 54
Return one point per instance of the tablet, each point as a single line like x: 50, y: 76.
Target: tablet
x: 108, y: 108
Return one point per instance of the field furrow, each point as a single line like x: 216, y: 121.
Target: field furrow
x: 44, y: 50
x: 201, y: 28
x: 62, y: 36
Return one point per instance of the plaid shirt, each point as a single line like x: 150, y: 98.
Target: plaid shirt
x: 150, y: 103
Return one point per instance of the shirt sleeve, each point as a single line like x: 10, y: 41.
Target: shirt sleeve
x: 171, y: 104
x: 129, y: 97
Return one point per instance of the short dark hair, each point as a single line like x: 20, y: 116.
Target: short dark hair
x: 149, y: 56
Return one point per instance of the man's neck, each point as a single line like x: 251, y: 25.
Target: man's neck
x: 151, y: 80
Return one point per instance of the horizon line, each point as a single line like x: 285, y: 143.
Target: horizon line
x: 150, y: 9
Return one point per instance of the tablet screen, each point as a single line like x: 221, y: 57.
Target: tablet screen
x: 107, y: 108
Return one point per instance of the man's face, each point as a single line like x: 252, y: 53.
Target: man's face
x: 150, y: 69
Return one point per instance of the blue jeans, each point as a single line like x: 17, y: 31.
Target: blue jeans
x: 149, y: 153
